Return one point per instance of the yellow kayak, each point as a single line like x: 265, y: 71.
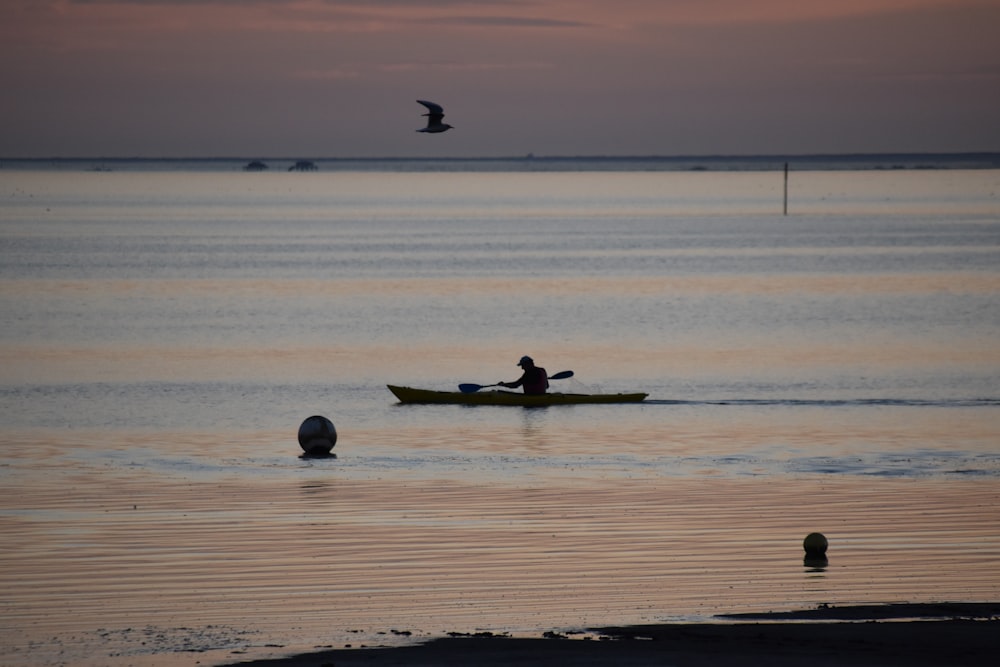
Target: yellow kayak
x: 410, y: 395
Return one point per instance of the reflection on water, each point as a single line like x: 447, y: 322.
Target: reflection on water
x: 162, y: 336
x: 815, y: 564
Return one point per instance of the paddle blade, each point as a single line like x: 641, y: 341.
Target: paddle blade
x: 469, y: 388
x: 561, y: 376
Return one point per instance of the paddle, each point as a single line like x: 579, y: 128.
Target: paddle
x: 470, y: 388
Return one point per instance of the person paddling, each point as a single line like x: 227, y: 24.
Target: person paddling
x: 535, y: 379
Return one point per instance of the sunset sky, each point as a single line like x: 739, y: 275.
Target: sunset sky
x: 339, y: 78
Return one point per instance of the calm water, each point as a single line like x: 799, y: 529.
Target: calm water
x: 163, y: 334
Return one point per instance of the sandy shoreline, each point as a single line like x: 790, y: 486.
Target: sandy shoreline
x: 910, y: 634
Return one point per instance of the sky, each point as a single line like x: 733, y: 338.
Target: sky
x: 340, y: 78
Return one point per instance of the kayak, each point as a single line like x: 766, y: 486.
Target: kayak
x: 410, y: 395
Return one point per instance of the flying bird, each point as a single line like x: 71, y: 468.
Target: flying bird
x: 434, y: 115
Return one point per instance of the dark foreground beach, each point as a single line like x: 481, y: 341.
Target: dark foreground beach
x: 896, y: 634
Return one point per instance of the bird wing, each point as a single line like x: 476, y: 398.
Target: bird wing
x: 434, y: 109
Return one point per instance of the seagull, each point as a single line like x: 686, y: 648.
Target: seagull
x: 434, y: 115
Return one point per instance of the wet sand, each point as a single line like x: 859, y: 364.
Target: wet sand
x: 899, y: 634
x: 162, y: 573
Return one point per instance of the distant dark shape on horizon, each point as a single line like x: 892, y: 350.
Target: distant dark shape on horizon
x: 434, y: 115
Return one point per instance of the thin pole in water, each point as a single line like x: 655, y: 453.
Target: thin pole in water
x: 786, y: 189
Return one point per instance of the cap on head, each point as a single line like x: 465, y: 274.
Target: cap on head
x: 526, y: 361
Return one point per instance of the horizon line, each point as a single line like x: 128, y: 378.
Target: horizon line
x: 527, y: 156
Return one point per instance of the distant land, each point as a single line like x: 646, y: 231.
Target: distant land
x: 528, y: 163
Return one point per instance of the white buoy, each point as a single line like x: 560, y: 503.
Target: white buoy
x: 317, y: 435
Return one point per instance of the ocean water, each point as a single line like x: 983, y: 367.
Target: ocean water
x: 163, y: 333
